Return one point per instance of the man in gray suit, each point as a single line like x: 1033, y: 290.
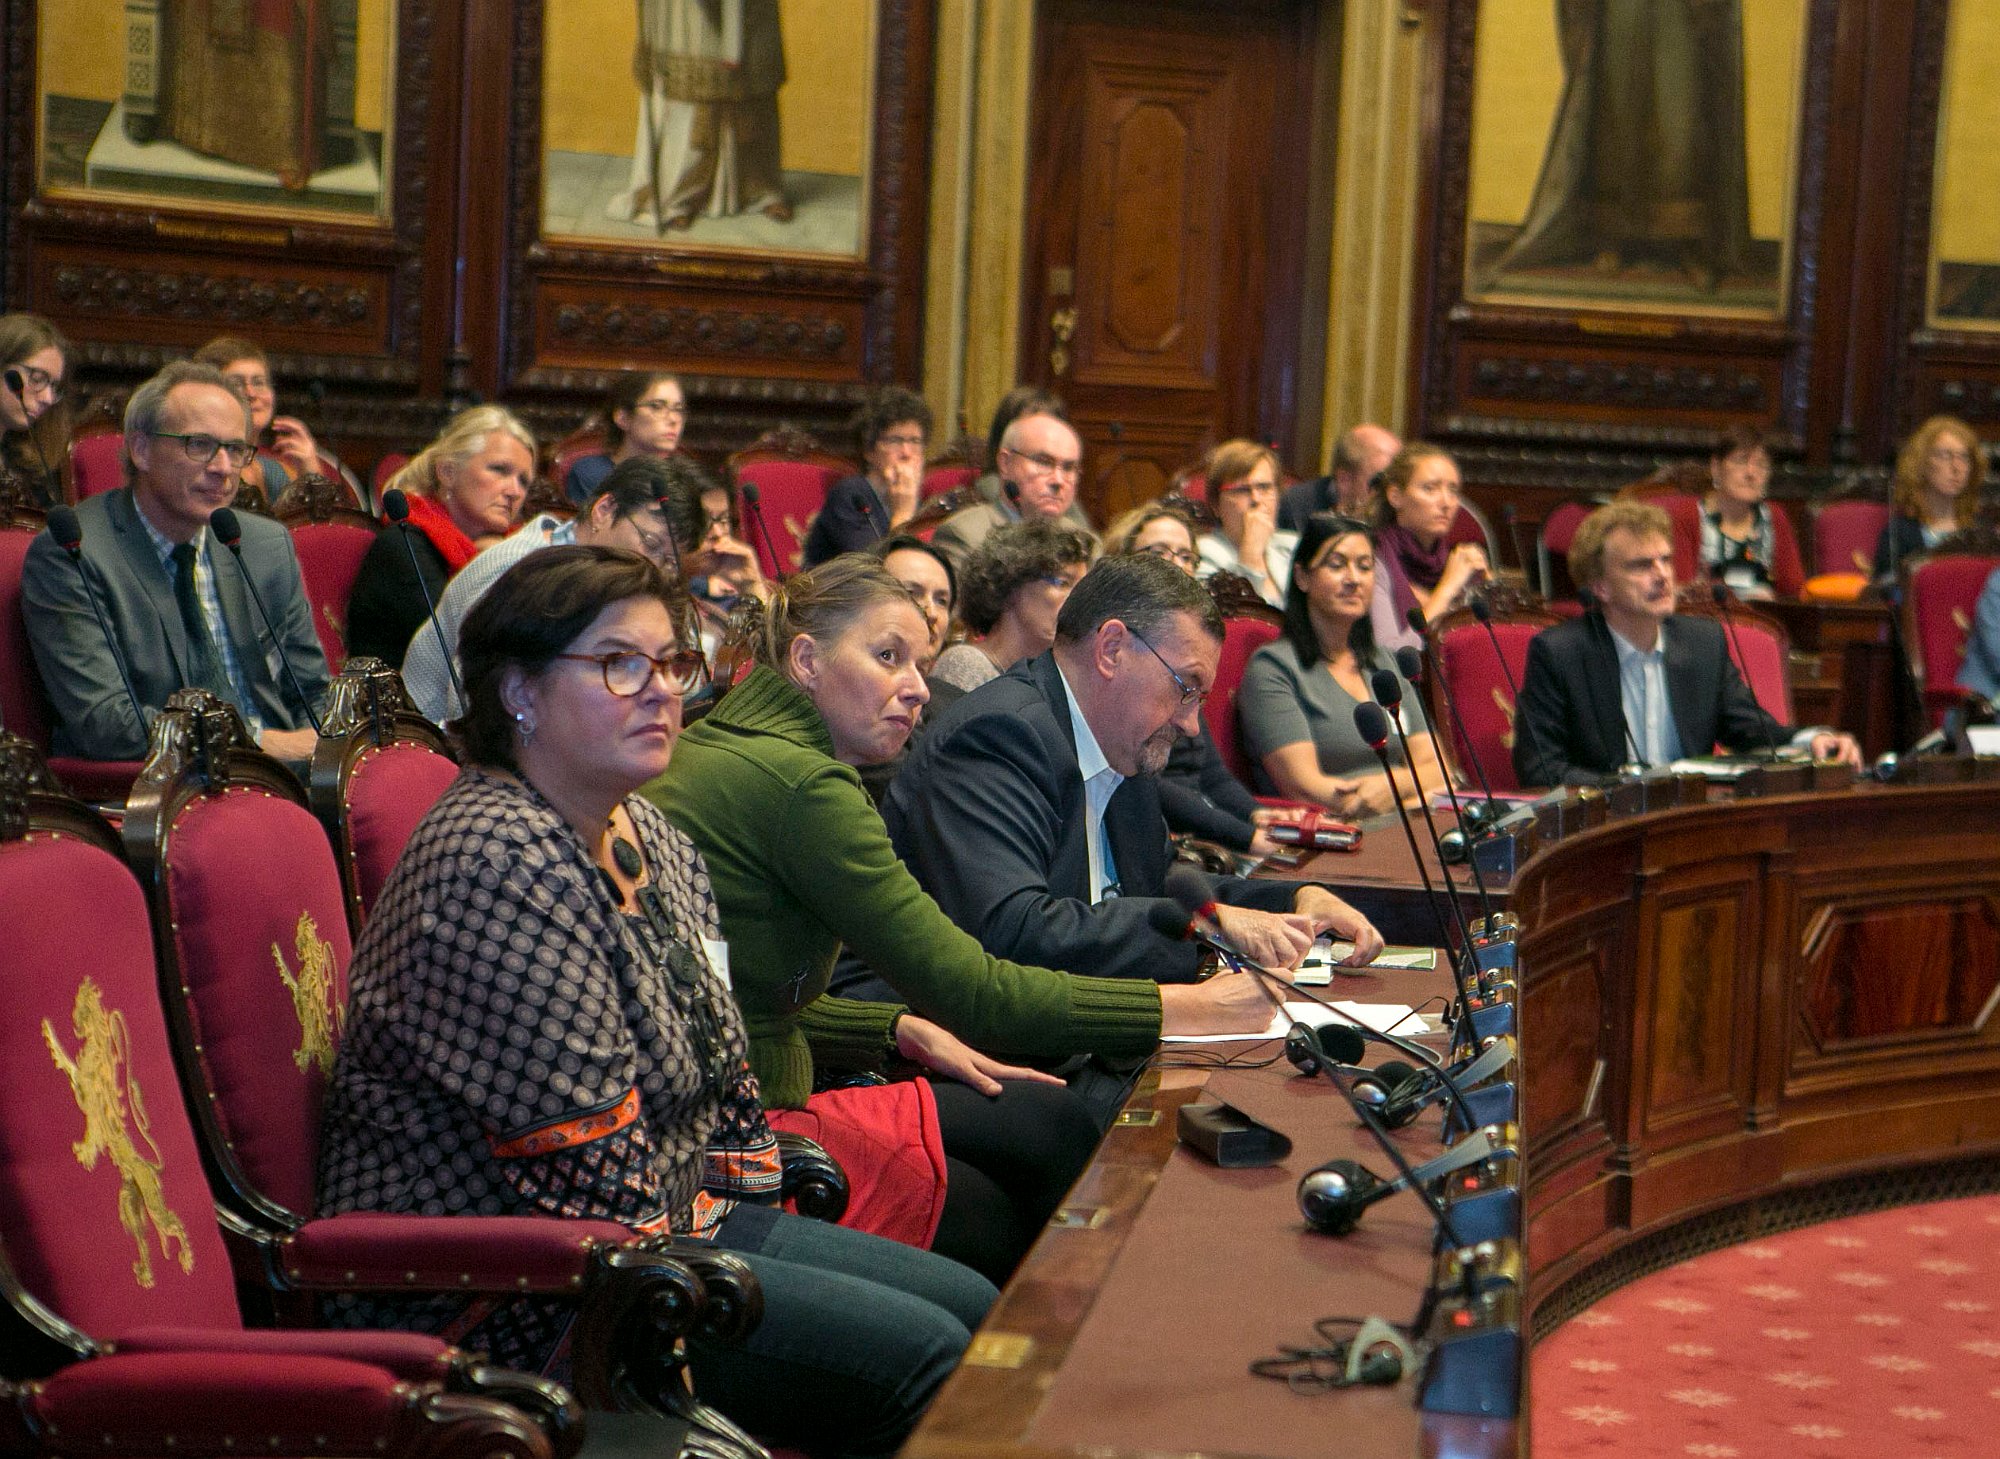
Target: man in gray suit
x: 179, y: 614
x: 1039, y: 463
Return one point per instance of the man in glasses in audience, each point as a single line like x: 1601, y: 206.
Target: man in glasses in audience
x: 651, y: 505
x: 1031, y: 809
x: 174, y: 598
x: 1039, y: 464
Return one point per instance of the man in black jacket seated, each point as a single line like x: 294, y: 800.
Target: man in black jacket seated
x: 1631, y: 680
x: 1031, y: 809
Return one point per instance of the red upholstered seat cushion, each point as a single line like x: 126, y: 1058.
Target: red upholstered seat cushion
x: 1466, y: 659
x: 261, y: 937
x: 104, y: 1210
x: 391, y: 789
x: 21, y: 708
x: 1760, y: 658
x: 1241, y: 637
x: 1844, y: 536
x: 330, y: 556
x: 947, y: 478
x: 1944, y: 594
x: 791, y: 494
x: 97, y: 462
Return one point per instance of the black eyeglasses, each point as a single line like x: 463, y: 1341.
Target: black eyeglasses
x: 39, y: 380
x: 627, y: 672
x: 1189, y: 694
x: 201, y: 448
x: 1180, y: 555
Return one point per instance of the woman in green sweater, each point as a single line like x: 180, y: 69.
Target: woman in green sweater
x: 765, y: 786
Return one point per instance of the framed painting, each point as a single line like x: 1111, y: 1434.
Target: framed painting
x: 1964, y: 263
x: 734, y: 126
x: 236, y: 106
x: 1635, y: 154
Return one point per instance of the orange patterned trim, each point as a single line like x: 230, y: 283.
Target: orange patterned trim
x: 570, y: 1133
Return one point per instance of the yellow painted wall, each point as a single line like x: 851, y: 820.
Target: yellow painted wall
x: 1519, y: 82
x: 590, y: 104
x: 96, y: 70
x: 1967, y: 225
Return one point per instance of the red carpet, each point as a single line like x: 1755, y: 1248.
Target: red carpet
x: 1876, y: 1337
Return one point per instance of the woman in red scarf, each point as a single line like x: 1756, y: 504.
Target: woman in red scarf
x: 465, y: 491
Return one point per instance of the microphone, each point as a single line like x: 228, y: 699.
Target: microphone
x: 1721, y: 593
x: 868, y: 512
x: 50, y: 487
x: 396, y: 507
x: 229, y: 532
x: 1389, y: 694
x: 753, y: 498
x: 1371, y: 722
x: 67, y: 533
x: 1333, y: 1196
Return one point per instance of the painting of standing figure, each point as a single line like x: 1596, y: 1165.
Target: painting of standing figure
x: 1644, y: 189
x: 744, y: 124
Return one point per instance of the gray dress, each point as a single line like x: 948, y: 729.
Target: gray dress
x: 1281, y: 703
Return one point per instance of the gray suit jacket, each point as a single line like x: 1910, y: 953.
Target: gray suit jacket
x: 93, y: 718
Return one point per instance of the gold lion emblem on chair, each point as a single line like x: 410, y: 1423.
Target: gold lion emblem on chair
x: 1506, y: 707
x: 320, y: 1017
x: 100, y: 1076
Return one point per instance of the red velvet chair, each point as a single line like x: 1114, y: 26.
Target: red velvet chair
x: 1464, y: 657
x: 1558, y: 531
x: 96, y: 462
x: 791, y: 472
x: 1940, y: 596
x: 940, y: 479
x: 385, y: 468
x: 1684, y: 511
x: 1845, y: 533
x: 585, y: 440
x: 253, y: 950
x: 331, y: 536
x: 1241, y: 637
x: 1758, y: 645
x: 22, y: 706
x: 117, y: 1297
x: 376, y: 772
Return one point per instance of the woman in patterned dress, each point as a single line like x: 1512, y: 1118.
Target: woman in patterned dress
x: 538, y: 1024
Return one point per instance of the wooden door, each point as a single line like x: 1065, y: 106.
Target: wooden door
x: 1166, y: 197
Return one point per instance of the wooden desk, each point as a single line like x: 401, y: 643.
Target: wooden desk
x: 1735, y: 1017
x: 1856, y: 683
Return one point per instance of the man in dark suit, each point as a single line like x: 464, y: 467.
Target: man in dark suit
x: 1631, y: 682
x: 1358, y: 458
x: 178, y: 612
x: 1031, y: 809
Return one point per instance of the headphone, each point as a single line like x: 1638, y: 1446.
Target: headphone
x: 1394, y: 1091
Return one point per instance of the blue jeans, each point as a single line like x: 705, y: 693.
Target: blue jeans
x: 858, y: 1333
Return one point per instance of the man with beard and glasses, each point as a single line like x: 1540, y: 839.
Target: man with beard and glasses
x: 1031, y: 809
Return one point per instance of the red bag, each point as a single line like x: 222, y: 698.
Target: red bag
x: 886, y: 1138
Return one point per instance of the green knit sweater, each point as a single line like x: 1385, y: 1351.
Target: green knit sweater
x: 801, y: 863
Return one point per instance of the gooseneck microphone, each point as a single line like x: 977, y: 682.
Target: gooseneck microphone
x: 396, y: 507
x: 868, y: 512
x: 1371, y: 722
x: 67, y: 532
x: 754, y: 499
x: 49, y: 489
x: 1333, y: 1197
x: 229, y: 532
x: 1721, y: 593
x: 1389, y: 694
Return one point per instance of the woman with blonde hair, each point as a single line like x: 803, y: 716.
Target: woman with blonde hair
x: 464, y: 492
x: 1417, y: 564
x: 1243, y: 488
x: 1938, y: 475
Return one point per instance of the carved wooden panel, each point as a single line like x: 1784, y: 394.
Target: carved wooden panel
x: 1564, y: 1006
x: 599, y: 326
x: 1876, y: 970
x: 1148, y: 255
x: 1696, y: 966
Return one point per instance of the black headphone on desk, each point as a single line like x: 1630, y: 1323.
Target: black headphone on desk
x: 1389, y: 1089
